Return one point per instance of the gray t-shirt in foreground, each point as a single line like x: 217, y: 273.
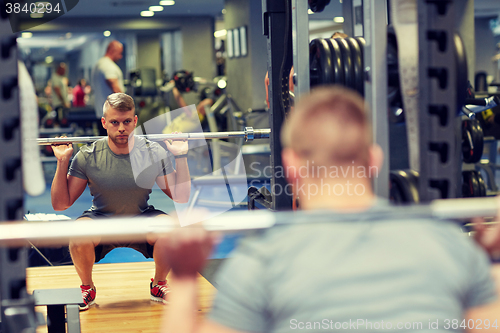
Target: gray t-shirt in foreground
x: 379, y: 275
x: 121, y: 184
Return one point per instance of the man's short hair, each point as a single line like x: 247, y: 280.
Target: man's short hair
x: 120, y: 102
x: 329, y: 126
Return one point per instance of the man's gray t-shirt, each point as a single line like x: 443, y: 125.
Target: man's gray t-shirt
x: 120, y: 184
x: 317, y: 277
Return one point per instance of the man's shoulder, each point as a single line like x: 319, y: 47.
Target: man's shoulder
x: 93, y: 148
x: 56, y: 78
x: 104, y: 63
x: 143, y: 144
x: 304, y: 226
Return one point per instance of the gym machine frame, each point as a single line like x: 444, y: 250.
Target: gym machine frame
x: 274, y: 13
x: 17, y: 307
x: 439, y: 172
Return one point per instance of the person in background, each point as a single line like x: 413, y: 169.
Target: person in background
x: 60, y: 100
x: 107, y: 77
x: 79, y: 93
x: 120, y: 170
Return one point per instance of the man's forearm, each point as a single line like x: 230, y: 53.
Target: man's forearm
x: 59, y: 193
x: 178, y: 98
x: 182, y: 188
x: 180, y: 317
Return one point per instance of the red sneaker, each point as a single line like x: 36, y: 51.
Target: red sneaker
x: 88, y: 295
x: 159, y: 292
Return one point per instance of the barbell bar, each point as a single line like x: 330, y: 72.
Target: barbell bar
x: 20, y: 233
x: 249, y: 134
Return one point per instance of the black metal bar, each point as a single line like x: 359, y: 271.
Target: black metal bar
x: 56, y: 319
x: 17, y: 307
x: 279, y: 54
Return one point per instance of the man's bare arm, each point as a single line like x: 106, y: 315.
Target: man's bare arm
x: 114, y: 85
x: 65, y: 189
x: 186, y: 251
x: 177, y: 185
x: 181, y: 316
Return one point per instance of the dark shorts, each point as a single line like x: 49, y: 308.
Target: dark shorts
x: 102, y: 249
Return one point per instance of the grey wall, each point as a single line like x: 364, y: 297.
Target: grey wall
x: 485, y: 46
x: 148, y: 52
x: 246, y: 74
x: 198, y: 46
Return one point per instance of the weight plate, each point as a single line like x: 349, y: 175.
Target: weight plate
x: 338, y: 69
x: 320, y: 62
x: 318, y: 5
x: 470, y: 185
x: 472, y: 141
x: 357, y: 61
x: 404, y: 186
x: 482, y: 184
x: 347, y: 63
x: 361, y: 43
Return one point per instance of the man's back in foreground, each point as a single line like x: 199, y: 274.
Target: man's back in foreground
x: 411, y: 275
x: 354, y: 265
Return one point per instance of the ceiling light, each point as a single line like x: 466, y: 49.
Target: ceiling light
x: 338, y: 19
x: 220, y: 33
x: 36, y: 15
x: 147, y: 13
x: 224, y: 11
x: 156, y: 8
x: 107, y: 33
x: 69, y: 34
x: 49, y: 59
x: 310, y: 12
x: 27, y: 34
x: 167, y: 2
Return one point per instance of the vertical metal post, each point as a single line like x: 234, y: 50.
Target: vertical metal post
x: 439, y: 149
x: 17, y: 309
x: 276, y: 24
x: 300, y: 42
x: 348, y: 25
x: 375, y: 60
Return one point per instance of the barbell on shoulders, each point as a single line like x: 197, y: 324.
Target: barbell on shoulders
x: 249, y: 134
x: 18, y: 233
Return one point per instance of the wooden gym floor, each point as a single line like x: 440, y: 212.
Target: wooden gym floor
x: 123, y: 303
